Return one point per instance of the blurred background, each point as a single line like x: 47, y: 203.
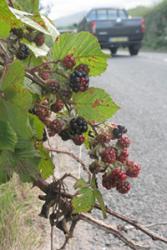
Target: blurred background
x: 67, y: 14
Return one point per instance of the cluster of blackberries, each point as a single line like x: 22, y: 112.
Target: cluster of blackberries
x: 75, y: 130
x: 110, y: 149
x: 31, y: 35
x: 79, y: 79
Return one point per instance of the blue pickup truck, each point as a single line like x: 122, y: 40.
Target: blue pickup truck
x: 114, y: 29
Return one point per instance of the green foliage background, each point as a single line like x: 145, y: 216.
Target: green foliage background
x: 156, y: 25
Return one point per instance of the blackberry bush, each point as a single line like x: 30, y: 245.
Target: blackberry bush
x: 49, y: 95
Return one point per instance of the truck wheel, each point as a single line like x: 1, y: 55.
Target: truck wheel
x: 113, y: 51
x: 133, y: 51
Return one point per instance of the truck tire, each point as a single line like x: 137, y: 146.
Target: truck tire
x: 133, y: 50
x: 113, y: 51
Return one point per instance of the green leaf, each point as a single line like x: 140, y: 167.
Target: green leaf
x: 27, y: 19
x: 38, y: 51
x: 84, y: 47
x: 17, y: 117
x: 46, y: 166
x: 7, y: 16
x: 27, y: 159
x: 81, y: 183
x: 28, y: 5
x: 14, y: 75
x: 37, y: 127
x: 84, y: 201
x: 8, y: 137
x: 32, y: 87
x: 100, y: 200
x: 7, y: 164
x: 5, y: 29
x: 95, y: 105
x: 51, y: 28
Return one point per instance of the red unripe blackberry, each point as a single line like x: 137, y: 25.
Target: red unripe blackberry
x: 116, y: 176
x: 103, y: 138
x: 109, y: 155
x: 53, y: 86
x: 133, y: 169
x: 78, y: 125
x: 123, y: 187
x: 78, y: 139
x: 45, y: 75
x: 23, y: 52
x: 39, y: 39
x: 42, y: 112
x: 123, y: 157
x: 83, y: 67
x: 55, y: 127
x: 79, y: 81
x: 124, y: 142
x: 57, y: 106
x: 69, y: 61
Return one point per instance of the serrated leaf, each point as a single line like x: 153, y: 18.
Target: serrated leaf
x: 37, y: 127
x: 7, y: 164
x: 46, y: 166
x: 84, y: 47
x: 95, y: 105
x: 14, y: 75
x: 81, y: 183
x: 38, y: 51
x: 7, y: 16
x: 27, y: 18
x: 28, y: 5
x: 8, y: 137
x: 84, y: 201
x: 100, y: 200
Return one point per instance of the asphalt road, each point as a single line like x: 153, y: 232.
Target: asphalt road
x: 139, y: 85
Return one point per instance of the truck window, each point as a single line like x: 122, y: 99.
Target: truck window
x: 123, y: 14
x: 91, y: 15
x: 112, y: 14
x: 102, y: 15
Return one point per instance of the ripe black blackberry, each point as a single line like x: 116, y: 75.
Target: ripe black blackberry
x: 18, y: 32
x: 118, y: 132
x: 65, y: 135
x: 78, y: 125
x: 23, y: 52
x: 79, y: 81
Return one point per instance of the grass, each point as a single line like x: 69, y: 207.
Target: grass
x: 20, y: 226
